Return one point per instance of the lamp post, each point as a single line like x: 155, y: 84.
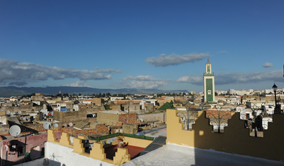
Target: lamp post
x: 274, y: 87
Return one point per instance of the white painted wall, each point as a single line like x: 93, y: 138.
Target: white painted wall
x: 61, y: 154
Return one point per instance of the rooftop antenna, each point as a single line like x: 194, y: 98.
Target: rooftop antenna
x: 70, y: 124
x: 15, y: 130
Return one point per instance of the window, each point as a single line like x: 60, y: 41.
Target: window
x: 209, y: 92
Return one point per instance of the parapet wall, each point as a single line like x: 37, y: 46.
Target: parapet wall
x: 235, y: 138
x: 97, y: 152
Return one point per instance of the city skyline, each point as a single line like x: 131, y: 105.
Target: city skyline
x: 145, y: 45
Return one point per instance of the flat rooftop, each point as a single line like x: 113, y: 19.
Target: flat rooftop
x: 177, y: 155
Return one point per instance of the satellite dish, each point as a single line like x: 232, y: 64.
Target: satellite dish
x: 20, y: 112
x: 12, y: 114
x: 141, y: 120
x: 8, y: 112
x: 15, y: 130
x: 55, y: 125
x: 70, y: 124
x: 46, y: 125
x: 64, y: 125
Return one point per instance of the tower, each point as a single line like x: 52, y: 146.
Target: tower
x: 209, y: 83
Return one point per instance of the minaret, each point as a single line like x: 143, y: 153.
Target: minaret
x: 209, y: 83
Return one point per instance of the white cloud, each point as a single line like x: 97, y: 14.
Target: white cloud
x: 174, y: 59
x: 78, y: 84
x: 144, y: 82
x: 267, y: 64
x: 140, y: 78
x: 232, y: 78
x: 17, y: 73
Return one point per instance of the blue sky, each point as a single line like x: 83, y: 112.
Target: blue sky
x: 142, y: 44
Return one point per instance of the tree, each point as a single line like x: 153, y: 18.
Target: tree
x: 107, y: 107
x: 218, y: 117
x: 108, y: 94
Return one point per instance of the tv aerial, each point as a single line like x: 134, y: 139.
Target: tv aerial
x: 46, y: 125
x: 70, y: 124
x: 55, y: 125
x: 15, y: 130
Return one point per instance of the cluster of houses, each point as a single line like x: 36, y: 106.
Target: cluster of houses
x: 94, y: 117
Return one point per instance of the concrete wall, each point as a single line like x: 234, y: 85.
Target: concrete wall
x: 235, y: 139
x: 68, y: 154
x: 107, y: 118
x: 152, y: 117
x: 61, y: 155
x: 130, y: 129
x: 69, y: 116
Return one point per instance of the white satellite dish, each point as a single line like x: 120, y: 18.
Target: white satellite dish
x: 12, y: 114
x: 20, y: 112
x: 64, y: 125
x: 8, y: 112
x: 15, y: 130
x: 141, y: 120
x: 55, y: 125
x: 46, y: 125
x: 70, y: 124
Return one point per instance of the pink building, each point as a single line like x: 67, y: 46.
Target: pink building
x: 12, y: 151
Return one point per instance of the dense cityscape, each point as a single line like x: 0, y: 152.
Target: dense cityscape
x: 125, y: 127
x: 141, y: 83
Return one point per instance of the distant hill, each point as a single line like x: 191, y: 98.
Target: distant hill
x: 19, y: 91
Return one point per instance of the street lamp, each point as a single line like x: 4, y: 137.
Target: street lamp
x: 274, y: 87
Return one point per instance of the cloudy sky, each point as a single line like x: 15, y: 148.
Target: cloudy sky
x: 142, y: 44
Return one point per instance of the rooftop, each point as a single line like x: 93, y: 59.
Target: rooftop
x: 172, y: 154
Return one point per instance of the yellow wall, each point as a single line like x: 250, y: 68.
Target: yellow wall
x: 235, y: 138
x: 135, y: 141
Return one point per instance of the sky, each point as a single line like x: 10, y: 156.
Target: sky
x: 145, y: 44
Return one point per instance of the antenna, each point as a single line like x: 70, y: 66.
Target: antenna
x: 46, y: 125
x: 70, y: 124
x: 15, y: 130
x: 55, y: 125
